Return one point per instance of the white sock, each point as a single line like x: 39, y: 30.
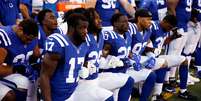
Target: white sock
x: 167, y: 76
x: 158, y: 88
x: 198, y: 67
x: 172, y: 71
x: 182, y: 90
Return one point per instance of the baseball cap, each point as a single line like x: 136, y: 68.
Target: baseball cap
x: 143, y: 13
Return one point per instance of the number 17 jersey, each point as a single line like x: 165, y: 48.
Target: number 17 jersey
x: 65, y: 78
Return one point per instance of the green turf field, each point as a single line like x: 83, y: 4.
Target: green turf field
x: 195, y: 90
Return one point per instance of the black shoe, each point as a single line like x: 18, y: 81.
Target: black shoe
x: 157, y: 98
x: 173, y: 82
x: 169, y: 88
x: 186, y: 95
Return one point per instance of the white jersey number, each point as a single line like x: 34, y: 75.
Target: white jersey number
x: 73, y: 62
x: 189, y: 5
x: 124, y: 52
x: 21, y: 58
x: 108, y: 4
x: 161, y: 2
x: 199, y: 3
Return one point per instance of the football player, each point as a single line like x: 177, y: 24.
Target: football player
x: 121, y: 84
x: 18, y: 43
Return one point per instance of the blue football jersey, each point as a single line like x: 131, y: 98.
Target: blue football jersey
x: 17, y: 51
x: 152, y: 6
x: 162, y: 4
x: 65, y: 77
x: 106, y: 8
x: 121, y: 9
x: 162, y: 9
x: 120, y: 46
x: 95, y: 51
x: 158, y: 35
x: 51, y: 5
x: 42, y: 36
x: 183, y: 13
x: 139, y: 39
x: 9, y: 12
x: 197, y: 6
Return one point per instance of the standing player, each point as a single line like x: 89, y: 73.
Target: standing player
x: 152, y: 6
x: 9, y: 14
x: 25, y: 7
x: 120, y: 9
x: 183, y: 8
x: 17, y: 44
x: 51, y: 4
x: 194, y: 32
x: 197, y: 6
x: 162, y: 9
x: 106, y: 8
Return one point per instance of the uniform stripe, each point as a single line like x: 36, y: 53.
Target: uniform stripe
x: 5, y: 37
x: 115, y: 35
x: 154, y: 25
x: 111, y: 34
x: 62, y: 38
x: 61, y: 31
x: 135, y: 29
x: 87, y: 37
x: 58, y: 40
x: 39, y: 35
x: 130, y: 29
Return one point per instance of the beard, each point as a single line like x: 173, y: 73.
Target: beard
x: 79, y: 38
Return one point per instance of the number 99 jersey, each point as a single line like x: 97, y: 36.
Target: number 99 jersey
x: 65, y: 78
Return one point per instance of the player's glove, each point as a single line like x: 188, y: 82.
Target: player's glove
x: 126, y: 62
x: 91, y: 67
x: 84, y: 72
x: 150, y: 63
x: 114, y: 61
x: 136, y: 62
